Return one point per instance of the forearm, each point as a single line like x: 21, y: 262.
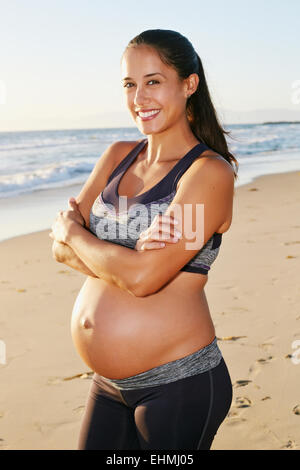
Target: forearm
x: 116, y: 264
x: 65, y: 254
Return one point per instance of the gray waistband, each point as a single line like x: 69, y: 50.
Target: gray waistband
x: 200, y: 361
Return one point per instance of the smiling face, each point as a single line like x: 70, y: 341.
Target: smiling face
x: 154, y: 94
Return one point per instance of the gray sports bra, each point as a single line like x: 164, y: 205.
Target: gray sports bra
x: 124, y: 227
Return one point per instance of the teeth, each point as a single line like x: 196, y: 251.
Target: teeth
x: 149, y: 113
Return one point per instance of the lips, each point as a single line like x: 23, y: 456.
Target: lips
x: 148, y: 114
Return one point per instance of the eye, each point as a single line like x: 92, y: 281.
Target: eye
x: 129, y: 83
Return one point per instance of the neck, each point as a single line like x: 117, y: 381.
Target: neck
x: 170, y: 144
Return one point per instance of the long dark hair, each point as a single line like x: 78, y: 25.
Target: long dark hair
x: 177, y: 51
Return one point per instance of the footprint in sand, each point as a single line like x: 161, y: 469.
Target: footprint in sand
x: 84, y: 375
x: 268, y: 343
x: 265, y: 360
x: 241, y: 383
x: 296, y: 410
x: 232, y: 414
x: 240, y: 309
x: 57, y: 380
x: 53, y: 381
x: 235, y: 421
x: 289, y: 445
x: 256, y: 368
x: 243, y: 402
x: 233, y: 418
x: 230, y: 338
x: 79, y: 409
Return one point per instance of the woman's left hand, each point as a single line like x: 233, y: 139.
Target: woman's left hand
x: 64, y: 222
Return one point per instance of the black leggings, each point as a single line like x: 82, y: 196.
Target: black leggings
x: 184, y: 414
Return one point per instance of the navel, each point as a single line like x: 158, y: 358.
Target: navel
x: 86, y: 323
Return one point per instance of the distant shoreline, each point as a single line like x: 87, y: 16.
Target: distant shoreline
x: 134, y: 128
x: 280, y: 122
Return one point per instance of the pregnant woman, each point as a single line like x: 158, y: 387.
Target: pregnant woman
x: 141, y: 320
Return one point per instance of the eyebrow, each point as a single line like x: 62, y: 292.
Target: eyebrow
x: 148, y: 75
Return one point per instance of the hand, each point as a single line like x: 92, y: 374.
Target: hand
x: 77, y: 214
x: 160, y: 231
x: 64, y: 220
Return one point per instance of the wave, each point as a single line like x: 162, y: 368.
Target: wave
x: 54, y: 175
x: 35, y: 160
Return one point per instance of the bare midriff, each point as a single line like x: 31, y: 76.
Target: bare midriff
x: 119, y: 335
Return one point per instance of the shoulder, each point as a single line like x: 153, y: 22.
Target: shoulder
x: 119, y: 149
x: 97, y: 180
x: 112, y: 156
x: 210, y: 168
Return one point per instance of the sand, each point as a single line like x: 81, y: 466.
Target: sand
x: 254, y: 297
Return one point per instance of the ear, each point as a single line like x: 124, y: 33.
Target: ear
x: 191, y: 84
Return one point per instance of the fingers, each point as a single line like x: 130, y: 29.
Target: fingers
x: 165, y: 229
x: 72, y: 213
x: 163, y: 223
x: 160, y: 231
x: 151, y: 246
x: 160, y: 236
x: 157, y: 229
x: 73, y: 204
x: 166, y: 223
x: 168, y: 218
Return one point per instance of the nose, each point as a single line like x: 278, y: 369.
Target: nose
x: 140, y: 97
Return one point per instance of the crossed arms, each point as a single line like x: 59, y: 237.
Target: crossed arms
x: 208, y: 181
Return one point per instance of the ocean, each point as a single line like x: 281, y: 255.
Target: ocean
x: 40, y: 170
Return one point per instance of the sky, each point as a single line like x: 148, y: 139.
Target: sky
x: 60, y: 59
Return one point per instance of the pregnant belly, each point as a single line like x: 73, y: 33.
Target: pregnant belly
x: 118, y: 335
